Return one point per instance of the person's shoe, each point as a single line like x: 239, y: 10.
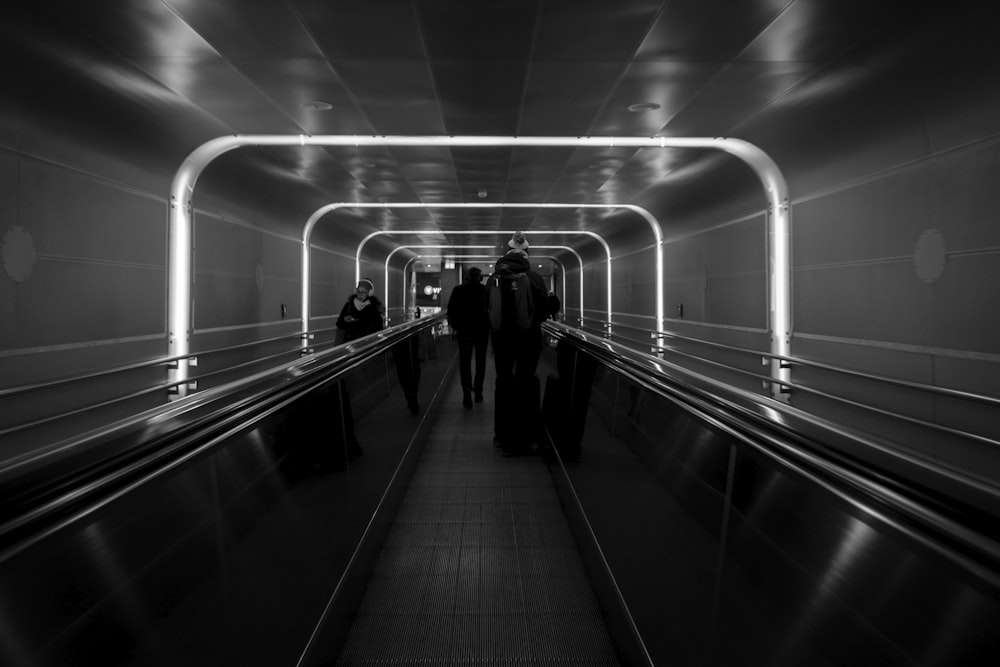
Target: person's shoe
x: 479, y: 396
x: 354, y: 451
x: 497, y: 442
x: 413, y: 406
x: 467, y: 399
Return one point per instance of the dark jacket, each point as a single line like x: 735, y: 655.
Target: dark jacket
x: 367, y: 320
x: 515, y: 262
x: 555, y: 305
x: 467, y: 309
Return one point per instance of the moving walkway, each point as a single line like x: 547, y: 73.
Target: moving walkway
x: 684, y: 523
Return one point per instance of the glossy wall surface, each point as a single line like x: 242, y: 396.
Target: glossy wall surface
x: 228, y: 557
x: 882, y: 116
x: 725, y: 555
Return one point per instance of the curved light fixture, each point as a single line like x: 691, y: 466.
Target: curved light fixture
x: 607, y: 250
x: 181, y: 216
x: 488, y: 247
x: 650, y: 219
x: 555, y: 260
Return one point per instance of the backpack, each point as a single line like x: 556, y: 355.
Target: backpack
x: 509, y: 301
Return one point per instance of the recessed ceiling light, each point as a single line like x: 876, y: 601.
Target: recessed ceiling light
x: 642, y: 107
x: 316, y: 105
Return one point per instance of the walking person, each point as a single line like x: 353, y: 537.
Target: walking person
x: 360, y: 316
x: 362, y: 313
x: 406, y: 359
x: 518, y: 304
x: 467, y: 317
x: 555, y: 306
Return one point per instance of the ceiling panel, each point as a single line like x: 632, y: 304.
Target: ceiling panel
x: 494, y: 30
x: 482, y: 97
x: 134, y: 28
x: 736, y: 94
x: 594, y: 30
x: 587, y: 170
x: 819, y: 31
x: 436, y: 192
x: 670, y: 85
x: 152, y: 80
x: 396, y: 96
x: 294, y: 83
x: 248, y: 28
x: 707, y: 31
x: 370, y: 30
x: 533, y: 172
x: 216, y: 87
x: 482, y: 170
x: 563, y: 98
x: 416, y: 165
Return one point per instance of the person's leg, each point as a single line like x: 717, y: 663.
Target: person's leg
x: 465, y: 348
x: 504, y: 411
x: 347, y: 420
x: 528, y: 353
x: 481, y: 343
x: 527, y: 388
x: 405, y: 357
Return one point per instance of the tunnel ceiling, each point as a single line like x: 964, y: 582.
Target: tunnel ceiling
x: 153, y: 79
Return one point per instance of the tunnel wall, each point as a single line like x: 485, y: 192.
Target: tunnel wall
x: 894, y: 249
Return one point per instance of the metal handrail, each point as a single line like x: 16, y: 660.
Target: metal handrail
x: 162, y: 386
x: 48, y: 384
x: 245, y: 364
x: 823, y: 451
x: 816, y: 392
x: 42, y: 421
x: 203, y: 421
x: 159, y: 361
x: 741, y: 400
x: 706, y: 361
x: 982, y: 439
x: 240, y: 346
x: 908, y: 384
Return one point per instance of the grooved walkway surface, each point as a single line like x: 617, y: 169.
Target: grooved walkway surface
x: 480, y: 566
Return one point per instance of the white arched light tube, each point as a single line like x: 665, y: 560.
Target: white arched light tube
x: 182, y: 191
x: 562, y: 267
x: 486, y: 247
x: 543, y: 247
x: 409, y: 247
x: 607, y: 250
x: 328, y: 208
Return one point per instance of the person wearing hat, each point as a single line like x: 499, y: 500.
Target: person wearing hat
x: 517, y: 418
x: 362, y: 314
